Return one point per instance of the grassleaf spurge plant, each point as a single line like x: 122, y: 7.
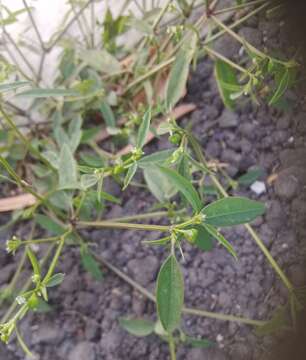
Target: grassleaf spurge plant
x: 59, y: 165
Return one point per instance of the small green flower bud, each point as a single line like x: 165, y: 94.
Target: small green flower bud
x: 118, y: 169
x: 33, y: 301
x: 190, y: 234
x: 13, y: 244
x: 175, y: 138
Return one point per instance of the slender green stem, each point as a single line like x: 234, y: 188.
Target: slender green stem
x: 19, y: 181
x: 56, y: 257
x: 259, y: 242
x: 118, y: 225
x: 236, y: 23
x: 171, y: 344
x: 238, y: 7
x: 148, y: 74
x: 26, y: 286
x: 225, y: 59
x: 161, y: 14
x: 156, y: 214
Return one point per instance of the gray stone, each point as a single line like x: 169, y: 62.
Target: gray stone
x: 111, y: 341
x: 225, y: 299
x: 6, y: 273
x: 47, y: 333
x: 286, y: 184
x: 297, y: 274
x: 144, y: 270
x: 228, y: 119
x: 83, y: 351
x: 293, y: 157
x: 253, y: 36
x: 227, y: 46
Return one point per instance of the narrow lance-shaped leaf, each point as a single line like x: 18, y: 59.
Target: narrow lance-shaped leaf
x: 44, y: 93
x: 67, y: 168
x: 232, y: 211
x: 179, y: 72
x: 55, y: 280
x: 12, y: 86
x: 184, y: 186
x: 129, y: 175
x: 227, y: 82
x: 34, y: 262
x: 108, y: 114
x: 144, y: 129
x: 218, y: 236
x: 170, y: 294
x: 137, y: 327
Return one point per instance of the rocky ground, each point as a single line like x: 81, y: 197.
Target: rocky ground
x: 84, y: 321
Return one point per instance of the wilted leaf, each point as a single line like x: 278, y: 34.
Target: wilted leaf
x: 179, y: 72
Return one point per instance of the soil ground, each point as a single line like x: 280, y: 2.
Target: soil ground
x: 84, y: 321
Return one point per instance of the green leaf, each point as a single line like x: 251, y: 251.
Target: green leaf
x: 129, y: 175
x: 45, y: 93
x: 48, y: 224
x: 227, y: 82
x: 34, y: 262
x: 88, y: 180
x: 55, y: 280
x: 137, y: 327
x: 218, y: 236
x: 75, y: 133
x: 101, y: 60
x: 232, y: 211
x: 90, y: 264
x: 12, y: 86
x: 179, y: 73
x: 170, y: 294
x: 67, y: 169
x: 281, y: 88
x: 250, y: 177
x: 108, y: 114
x: 157, y: 158
x: 184, y: 186
x: 109, y: 197
x: 144, y: 129
x: 159, y: 184
x: 203, y: 239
